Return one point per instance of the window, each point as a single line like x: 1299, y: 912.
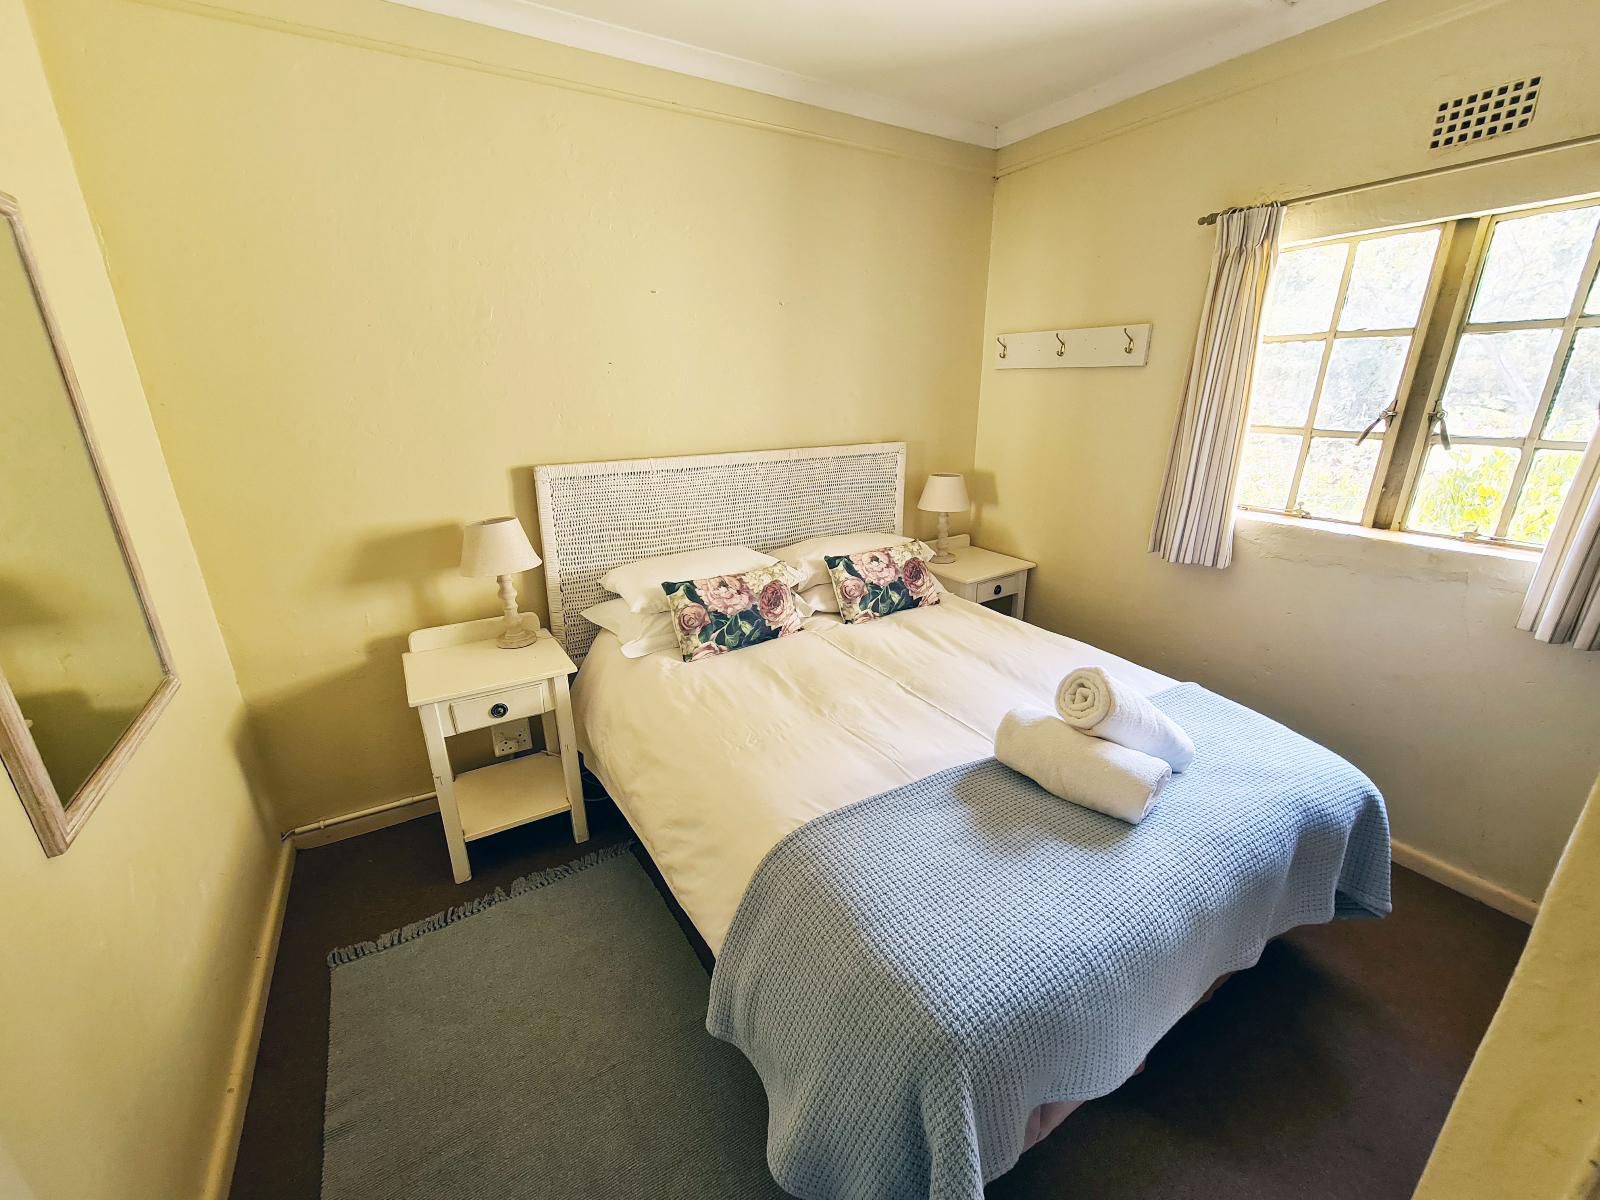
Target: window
x: 1442, y: 379
x: 1339, y: 337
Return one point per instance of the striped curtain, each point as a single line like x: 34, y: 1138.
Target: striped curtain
x: 1563, y: 601
x: 1194, y: 521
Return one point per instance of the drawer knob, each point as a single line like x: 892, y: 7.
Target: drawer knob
x: 498, y: 710
x: 998, y: 588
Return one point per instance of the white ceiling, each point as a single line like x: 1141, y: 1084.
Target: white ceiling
x: 988, y: 73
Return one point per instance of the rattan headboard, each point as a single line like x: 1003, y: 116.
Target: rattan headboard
x: 593, y: 516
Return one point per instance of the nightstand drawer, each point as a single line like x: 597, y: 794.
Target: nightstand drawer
x: 479, y: 712
x: 996, y: 589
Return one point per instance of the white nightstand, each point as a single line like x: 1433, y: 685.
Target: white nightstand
x: 983, y: 575
x: 459, y: 680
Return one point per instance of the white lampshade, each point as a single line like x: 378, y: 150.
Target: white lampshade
x: 496, y: 547
x: 944, y: 493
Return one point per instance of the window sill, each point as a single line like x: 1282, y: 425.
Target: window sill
x: 1422, y: 541
x: 1384, y: 551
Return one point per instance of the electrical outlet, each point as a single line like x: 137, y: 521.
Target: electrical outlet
x: 511, y: 736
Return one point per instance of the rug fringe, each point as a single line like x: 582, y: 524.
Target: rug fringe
x: 519, y: 887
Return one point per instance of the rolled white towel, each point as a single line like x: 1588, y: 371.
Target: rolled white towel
x: 1094, y: 702
x: 1088, y: 771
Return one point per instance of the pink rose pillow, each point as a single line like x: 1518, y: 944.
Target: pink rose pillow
x: 730, y: 612
x: 875, y: 583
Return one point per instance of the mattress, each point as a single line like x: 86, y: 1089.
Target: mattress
x: 713, y: 762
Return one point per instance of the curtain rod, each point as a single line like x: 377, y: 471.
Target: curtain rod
x: 1431, y: 172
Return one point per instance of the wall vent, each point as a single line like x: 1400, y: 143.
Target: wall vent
x: 1484, y: 114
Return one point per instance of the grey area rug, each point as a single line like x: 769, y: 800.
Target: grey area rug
x: 546, y: 1042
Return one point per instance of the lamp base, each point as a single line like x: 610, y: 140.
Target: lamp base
x: 520, y: 629
x: 941, y: 545
x: 516, y: 639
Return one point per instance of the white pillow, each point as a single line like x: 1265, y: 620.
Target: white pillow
x: 639, y: 583
x: 822, y: 598
x: 639, y: 633
x: 807, y: 555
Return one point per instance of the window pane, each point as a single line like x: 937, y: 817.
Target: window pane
x: 1388, y: 281
x: 1285, y: 380
x: 1337, y: 477
x: 1462, y: 489
x: 1532, y: 269
x: 1542, y: 493
x: 1496, y: 381
x: 1363, y: 375
x: 1573, y: 415
x: 1305, y: 283
x: 1268, y: 469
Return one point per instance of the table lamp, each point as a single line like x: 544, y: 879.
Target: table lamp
x: 944, y: 493
x: 499, y: 548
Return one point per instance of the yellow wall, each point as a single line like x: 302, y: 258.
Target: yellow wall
x: 123, y: 962
x: 1527, y: 1119
x: 370, y: 285
x: 1405, y: 660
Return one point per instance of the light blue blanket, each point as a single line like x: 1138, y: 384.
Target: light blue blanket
x: 912, y: 975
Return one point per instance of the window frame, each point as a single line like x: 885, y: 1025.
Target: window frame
x: 1307, y: 431
x: 1443, y: 320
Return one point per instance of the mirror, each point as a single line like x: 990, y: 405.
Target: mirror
x: 84, y: 671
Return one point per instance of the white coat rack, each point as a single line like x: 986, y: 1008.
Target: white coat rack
x: 1103, y: 346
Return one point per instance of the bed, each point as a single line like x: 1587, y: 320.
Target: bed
x: 896, y: 701
x: 818, y: 753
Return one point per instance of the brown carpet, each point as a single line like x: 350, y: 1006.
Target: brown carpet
x: 1324, y: 1072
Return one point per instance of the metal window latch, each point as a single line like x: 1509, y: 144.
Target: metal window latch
x: 1383, y: 418
x: 1436, y: 424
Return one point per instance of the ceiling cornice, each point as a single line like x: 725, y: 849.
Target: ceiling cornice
x: 614, y: 41
x: 1280, y: 19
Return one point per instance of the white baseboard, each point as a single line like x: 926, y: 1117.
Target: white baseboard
x: 349, y: 825
x: 1465, y: 882
x: 224, y: 1151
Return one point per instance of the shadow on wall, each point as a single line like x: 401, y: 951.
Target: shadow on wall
x: 530, y: 587
x: 244, y: 736
x: 374, y: 754
x: 416, y: 558
x: 981, y: 487
x: 375, y: 743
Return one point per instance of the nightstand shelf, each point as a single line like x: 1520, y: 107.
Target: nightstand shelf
x: 506, y: 794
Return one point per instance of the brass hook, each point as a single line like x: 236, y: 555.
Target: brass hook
x: 1002, y: 342
x: 1061, y: 347
x: 1128, y: 349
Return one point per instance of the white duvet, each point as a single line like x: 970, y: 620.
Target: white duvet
x: 713, y: 762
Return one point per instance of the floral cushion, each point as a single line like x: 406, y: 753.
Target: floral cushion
x: 875, y: 583
x: 729, y: 612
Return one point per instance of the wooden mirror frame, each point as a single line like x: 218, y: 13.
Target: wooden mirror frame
x: 58, y: 821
